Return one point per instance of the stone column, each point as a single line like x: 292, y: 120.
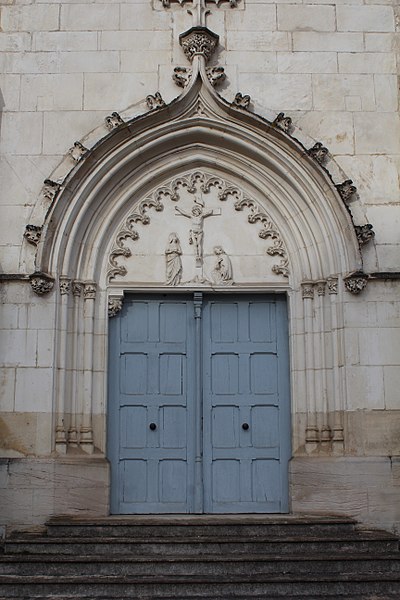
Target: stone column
x: 320, y: 350
x: 77, y: 359
x: 61, y: 372
x: 312, y: 433
x: 337, y: 434
x: 86, y: 429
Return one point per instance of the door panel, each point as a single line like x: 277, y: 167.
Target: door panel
x: 154, y: 458
x: 234, y: 363
x: 244, y: 437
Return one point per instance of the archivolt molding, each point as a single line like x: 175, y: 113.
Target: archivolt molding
x: 204, y: 121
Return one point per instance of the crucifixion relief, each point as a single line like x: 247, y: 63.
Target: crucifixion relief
x: 197, y: 215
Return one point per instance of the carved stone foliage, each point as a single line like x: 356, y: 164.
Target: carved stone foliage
x: 346, y: 190
x: 319, y: 153
x: 115, y: 304
x: 215, y: 75
x: 332, y: 283
x: 89, y: 291
x: 198, y: 40
x: 182, y: 75
x: 355, y: 282
x: 50, y: 189
x: 155, y: 102
x: 78, y: 151
x: 282, y: 122
x: 65, y: 285
x: 41, y: 283
x: 364, y: 233
x: 32, y: 234
x: 307, y: 289
x: 197, y: 183
x: 242, y: 101
x: 113, y: 121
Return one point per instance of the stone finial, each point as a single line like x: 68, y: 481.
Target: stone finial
x: 198, y: 41
x: 364, y: 233
x: 241, y: 101
x: 115, y: 304
x: 41, y: 283
x: 78, y: 151
x: 155, y: 102
x: 283, y: 123
x: 355, y: 282
x: 319, y: 153
x: 346, y: 190
x: 113, y: 121
x: 32, y: 234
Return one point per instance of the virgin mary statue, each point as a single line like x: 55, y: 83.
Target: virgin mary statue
x: 173, y: 260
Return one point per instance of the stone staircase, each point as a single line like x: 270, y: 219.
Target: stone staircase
x: 207, y: 557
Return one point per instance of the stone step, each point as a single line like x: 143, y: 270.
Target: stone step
x: 235, y: 565
x: 359, y: 542
x: 270, y: 586
x: 198, y: 525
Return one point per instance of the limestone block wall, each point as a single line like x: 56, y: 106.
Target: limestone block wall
x: 333, y: 67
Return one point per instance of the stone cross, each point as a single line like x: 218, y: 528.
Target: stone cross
x: 199, y: 11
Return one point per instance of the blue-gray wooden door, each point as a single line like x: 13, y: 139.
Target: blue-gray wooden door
x: 199, y: 410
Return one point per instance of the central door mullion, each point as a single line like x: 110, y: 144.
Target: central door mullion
x: 198, y: 402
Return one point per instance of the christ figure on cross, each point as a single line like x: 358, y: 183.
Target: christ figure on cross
x: 196, y: 234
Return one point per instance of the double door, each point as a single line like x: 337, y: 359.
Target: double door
x: 199, y: 409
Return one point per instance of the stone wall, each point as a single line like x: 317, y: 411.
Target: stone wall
x: 332, y: 67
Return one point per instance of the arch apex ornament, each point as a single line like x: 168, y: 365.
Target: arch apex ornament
x: 198, y: 41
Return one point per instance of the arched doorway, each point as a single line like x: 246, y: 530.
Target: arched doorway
x: 275, y: 224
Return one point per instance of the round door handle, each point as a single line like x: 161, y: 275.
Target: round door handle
x: 153, y: 426
x: 245, y: 426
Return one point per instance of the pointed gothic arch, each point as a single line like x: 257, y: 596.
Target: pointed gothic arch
x: 269, y: 176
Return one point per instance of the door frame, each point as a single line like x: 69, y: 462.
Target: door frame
x: 197, y: 297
